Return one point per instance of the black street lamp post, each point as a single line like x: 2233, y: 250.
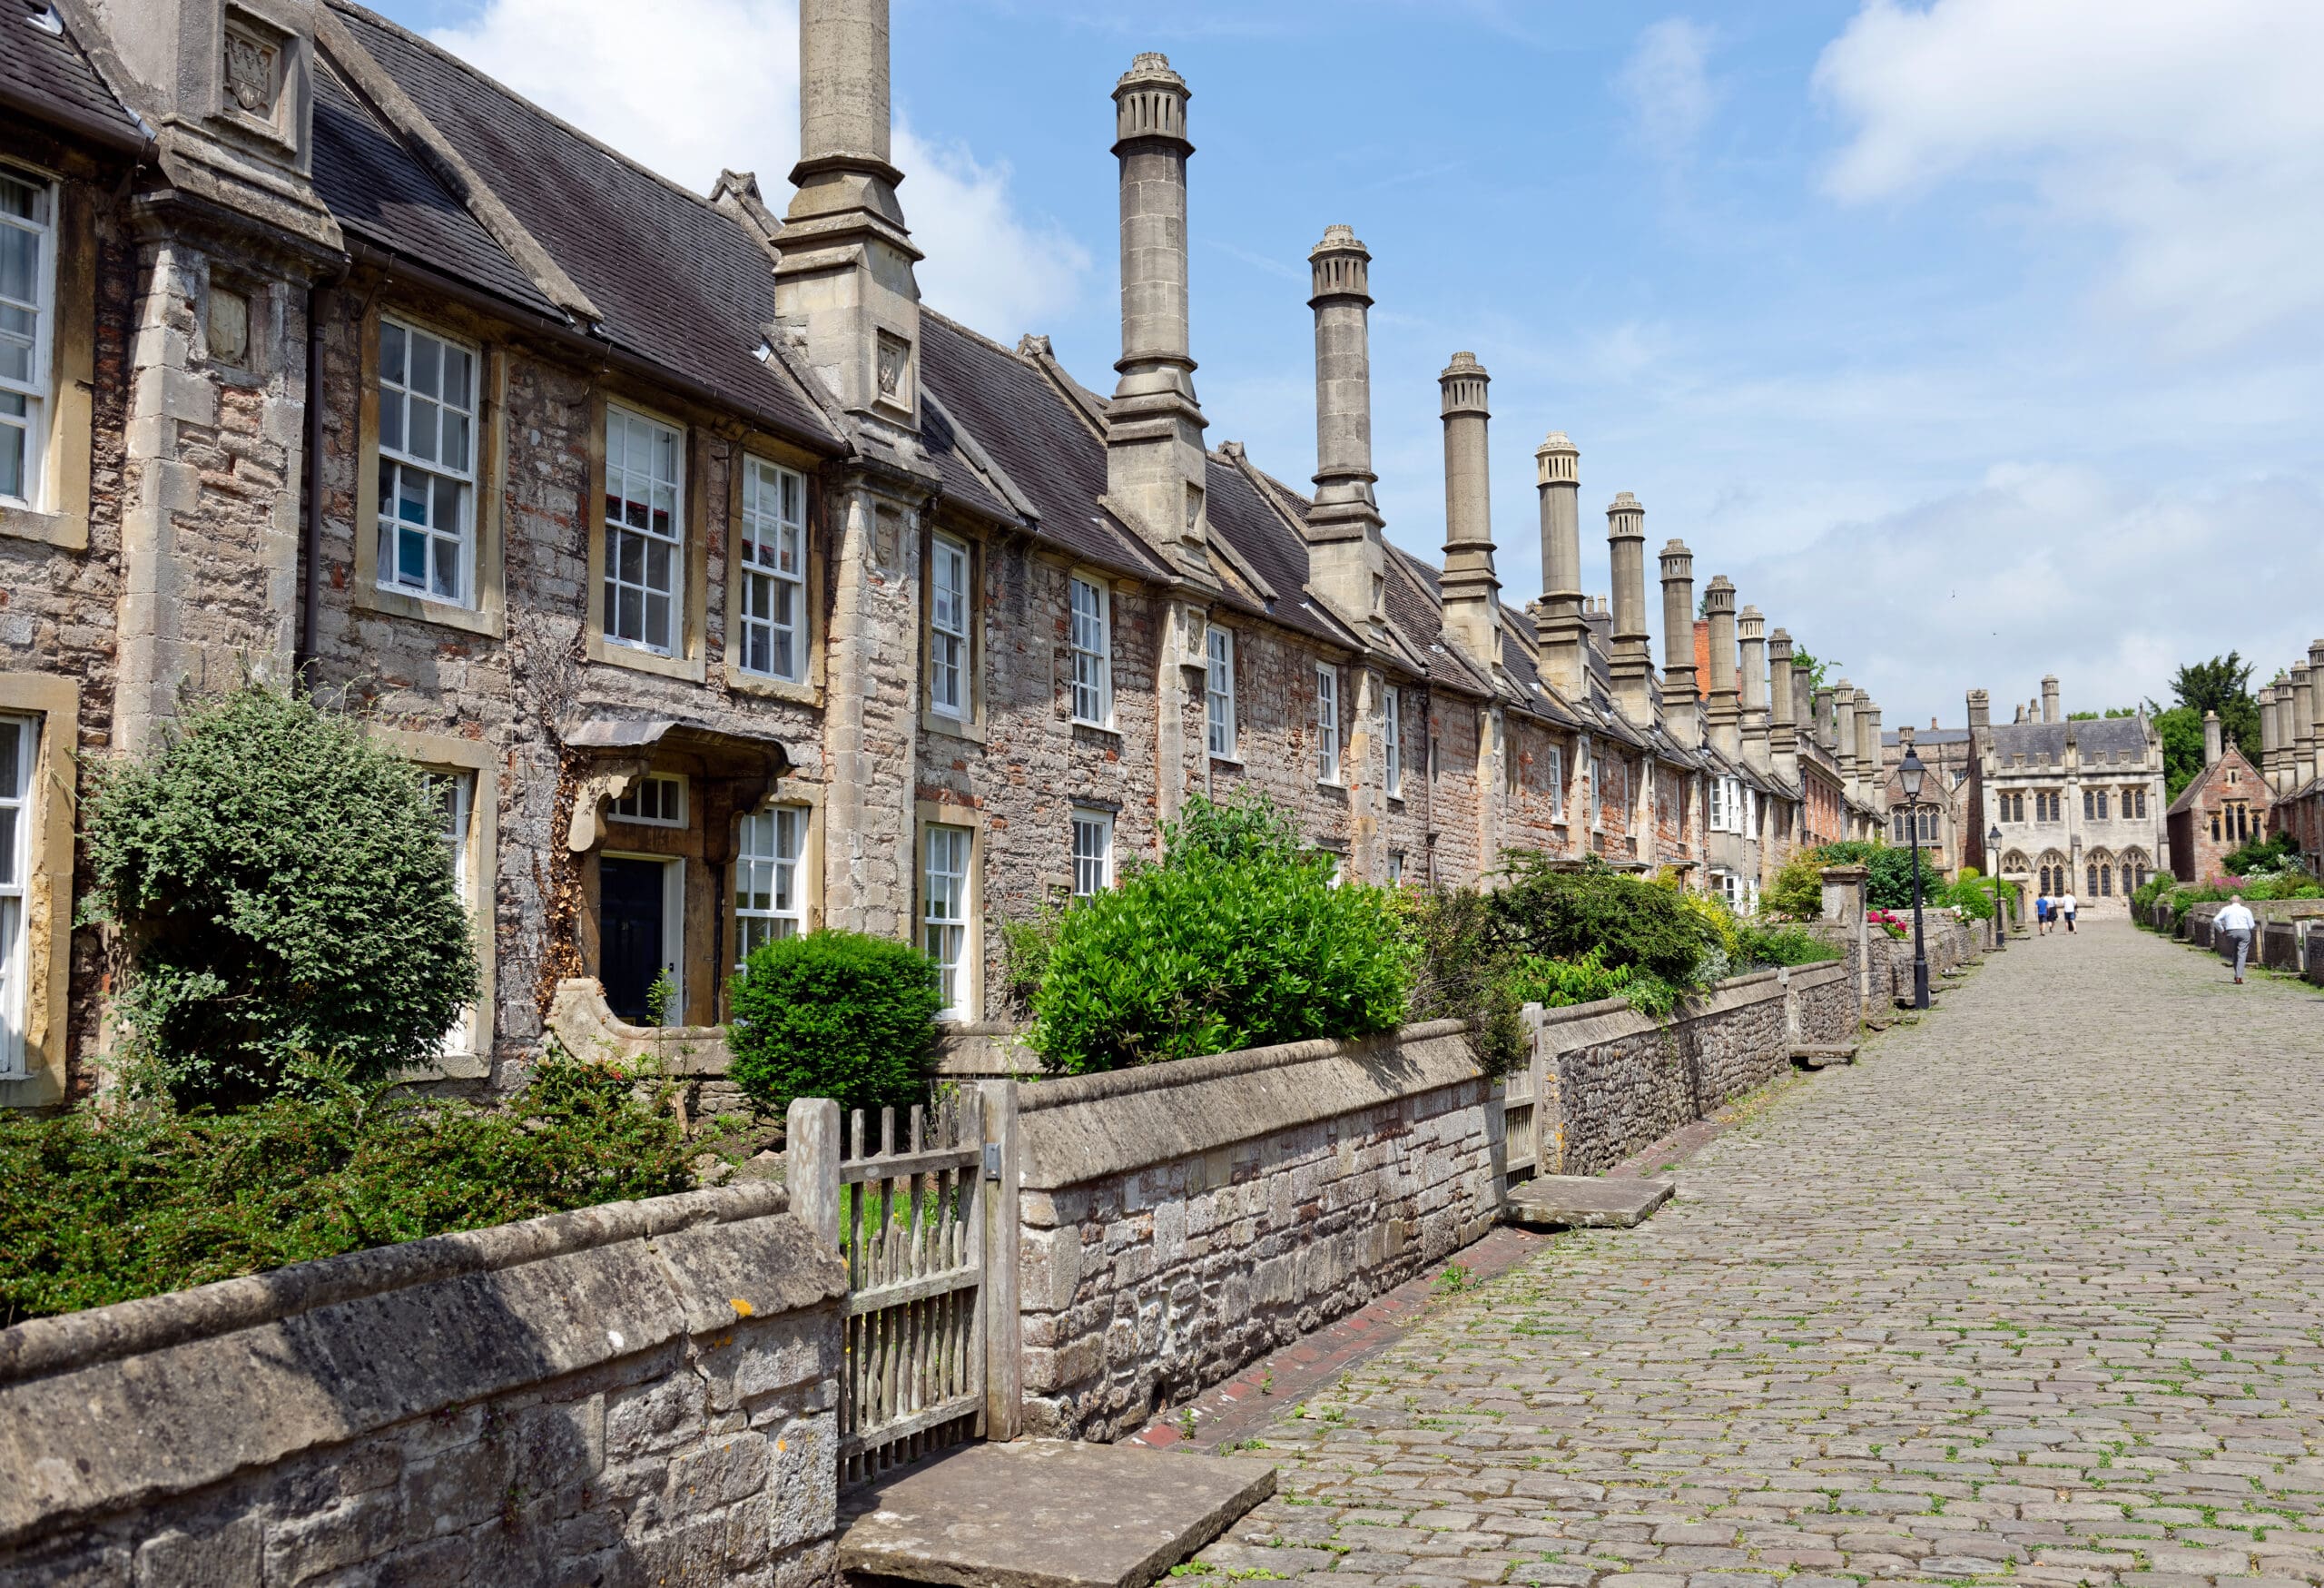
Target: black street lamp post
x: 2001, y: 921
x: 1912, y: 773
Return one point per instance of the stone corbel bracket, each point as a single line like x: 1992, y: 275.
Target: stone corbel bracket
x: 610, y: 781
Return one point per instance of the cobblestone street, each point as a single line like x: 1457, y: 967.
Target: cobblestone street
x: 2035, y: 1292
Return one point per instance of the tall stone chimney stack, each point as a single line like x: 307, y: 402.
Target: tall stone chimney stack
x: 1844, y: 739
x: 1630, y: 663
x: 1751, y: 630
x: 1725, y: 715
x: 1472, y: 589
x: 2212, y: 747
x: 1347, y: 558
x: 2271, y: 738
x: 2316, y: 718
x: 1557, y: 469
x: 1870, y: 775
x: 1981, y: 713
x: 1681, y: 688
x: 2050, y: 698
x: 844, y: 281
x: 1155, y: 467
x: 2304, y: 725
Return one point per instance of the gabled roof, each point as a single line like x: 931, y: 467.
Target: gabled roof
x: 2095, y: 736
x: 47, y: 76
x: 676, y: 282
x: 2231, y: 757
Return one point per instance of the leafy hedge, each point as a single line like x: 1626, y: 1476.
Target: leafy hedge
x: 1238, y: 938
x: 1555, y: 914
x: 107, y: 1207
x: 834, y: 1014
x: 286, y: 895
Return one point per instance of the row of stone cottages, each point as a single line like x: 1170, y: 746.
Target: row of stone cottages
x: 729, y: 591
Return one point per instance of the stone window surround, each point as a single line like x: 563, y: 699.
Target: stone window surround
x: 489, y: 614
x: 687, y: 658
x: 56, y: 703
x: 971, y: 727
x: 807, y: 690
x: 927, y: 813
x: 481, y: 762
x: 69, y: 425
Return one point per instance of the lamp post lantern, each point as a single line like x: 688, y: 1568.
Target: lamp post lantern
x: 2001, y: 921
x: 1912, y: 774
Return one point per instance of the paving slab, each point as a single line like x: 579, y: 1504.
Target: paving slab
x: 1585, y: 1201
x: 1047, y: 1513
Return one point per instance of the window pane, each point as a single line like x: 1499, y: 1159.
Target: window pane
x: 422, y: 441
x: 12, y: 462
x: 20, y: 264
x: 391, y: 348
x: 427, y: 355
x: 8, y: 815
x: 13, y: 735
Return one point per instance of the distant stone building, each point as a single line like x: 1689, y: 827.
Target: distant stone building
x: 2079, y: 803
x: 2226, y: 806
x: 730, y: 592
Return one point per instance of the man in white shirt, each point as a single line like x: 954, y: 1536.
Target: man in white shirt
x: 2239, y: 923
x: 2065, y: 908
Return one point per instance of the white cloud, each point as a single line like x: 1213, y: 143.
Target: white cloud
x: 2192, y: 133
x: 663, y: 97
x: 1667, y: 85
x: 2045, y: 567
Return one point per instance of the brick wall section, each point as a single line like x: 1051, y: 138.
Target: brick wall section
x: 1269, y: 1193
x: 465, y: 1409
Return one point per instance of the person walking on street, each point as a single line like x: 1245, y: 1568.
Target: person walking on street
x: 2238, y: 922
x: 2065, y: 908
x: 2042, y: 916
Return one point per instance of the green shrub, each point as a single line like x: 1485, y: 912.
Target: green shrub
x: 834, y: 1014
x: 1206, y: 955
x: 1565, y: 914
x: 106, y: 1209
x: 1782, y: 945
x: 1560, y: 983
x: 1889, y: 885
x: 285, y: 893
x: 1247, y: 827
x: 2262, y: 855
x: 1462, y: 971
x: 1797, y: 890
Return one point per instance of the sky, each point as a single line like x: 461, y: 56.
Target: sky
x: 1972, y: 339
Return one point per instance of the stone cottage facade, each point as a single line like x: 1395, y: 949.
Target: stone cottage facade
x: 2291, y: 732
x: 725, y: 589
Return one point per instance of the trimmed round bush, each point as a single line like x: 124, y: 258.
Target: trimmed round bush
x: 834, y: 1014
x: 1207, y: 954
x: 1629, y: 922
x: 286, y: 897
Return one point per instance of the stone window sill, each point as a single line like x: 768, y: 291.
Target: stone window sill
x: 689, y: 669
x: 486, y: 620
x: 951, y: 727
x: 1107, y: 728
x: 801, y: 693
x: 68, y: 531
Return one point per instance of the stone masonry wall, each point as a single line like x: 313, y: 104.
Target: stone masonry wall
x: 1180, y: 1221
x: 1621, y: 1080
x: 640, y: 1393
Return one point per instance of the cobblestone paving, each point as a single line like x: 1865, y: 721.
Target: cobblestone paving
x: 2034, y: 1293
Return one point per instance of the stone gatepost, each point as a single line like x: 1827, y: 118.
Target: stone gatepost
x: 1844, y: 902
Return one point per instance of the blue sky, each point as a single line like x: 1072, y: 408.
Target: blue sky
x: 1973, y: 339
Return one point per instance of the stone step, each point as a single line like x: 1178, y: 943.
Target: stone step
x: 1817, y: 1055
x: 1584, y: 1201
x: 1045, y: 1514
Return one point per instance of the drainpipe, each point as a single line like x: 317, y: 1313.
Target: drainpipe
x: 320, y: 300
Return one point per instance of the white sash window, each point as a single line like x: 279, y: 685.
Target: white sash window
x: 427, y: 465
x: 645, y: 532
x: 774, y: 571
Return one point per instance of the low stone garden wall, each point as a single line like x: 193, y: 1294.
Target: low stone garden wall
x: 638, y: 1393
x: 1179, y: 1220
x: 1948, y: 940
x: 1613, y: 1080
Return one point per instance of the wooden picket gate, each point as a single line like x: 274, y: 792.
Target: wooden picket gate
x: 927, y: 1224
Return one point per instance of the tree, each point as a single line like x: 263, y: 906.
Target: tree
x: 2180, y: 729
x: 283, y: 889
x: 2223, y: 684
x: 2110, y: 712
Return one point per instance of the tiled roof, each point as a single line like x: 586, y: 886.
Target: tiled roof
x: 1030, y: 431
x: 376, y: 188
x: 679, y: 284
x: 1927, y: 736
x: 46, y: 75
x: 2095, y: 736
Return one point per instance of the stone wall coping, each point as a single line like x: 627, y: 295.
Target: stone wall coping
x: 580, y: 1018
x: 257, y: 1371
x: 44, y: 1345
x: 1066, y: 1090
x: 1070, y: 1132
x: 2265, y: 909
x: 1608, y: 1020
